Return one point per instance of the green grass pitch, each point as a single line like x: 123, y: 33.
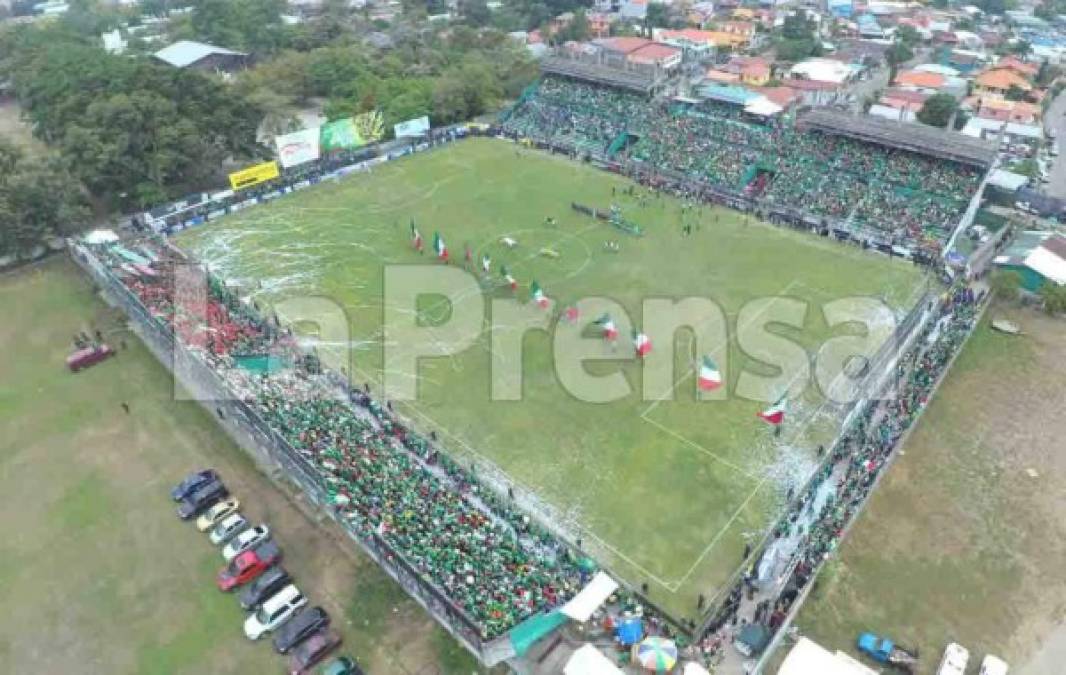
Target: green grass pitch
x: 663, y: 492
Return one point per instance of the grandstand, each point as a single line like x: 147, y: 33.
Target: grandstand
x: 640, y: 81
x: 918, y: 138
x: 873, y: 181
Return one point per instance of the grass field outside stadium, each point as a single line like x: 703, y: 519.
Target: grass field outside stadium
x: 665, y: 493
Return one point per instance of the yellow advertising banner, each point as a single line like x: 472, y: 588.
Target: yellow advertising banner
x: 253, y: 175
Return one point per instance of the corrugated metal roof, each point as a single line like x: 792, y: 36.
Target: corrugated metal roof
x: 187, y: 52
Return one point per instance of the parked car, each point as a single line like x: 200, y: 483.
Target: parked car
x: 214, y: 515
x: 308, y: 621
x: 88, y: 357
x: 266, y: 585
x: 245, y: 540
x: 202, y: 499
x: 278, y: 609
x: 342, y: 665
x: 191, y: 483
x: 248, y: 565
x: 229, y: 528
x: 312, y: 650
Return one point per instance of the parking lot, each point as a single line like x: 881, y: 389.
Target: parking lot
x: 100, y: 575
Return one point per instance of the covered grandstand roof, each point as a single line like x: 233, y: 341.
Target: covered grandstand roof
x: 590, y: 72
x: 918, y: 138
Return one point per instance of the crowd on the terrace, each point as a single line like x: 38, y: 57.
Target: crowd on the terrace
x: 912, y: 197
x: 817, y: 518
x: 491, y: 561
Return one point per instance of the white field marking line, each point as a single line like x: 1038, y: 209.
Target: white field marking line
x: 700, y: 448
x: 799, y: 431
x: 447, y: 432
x: 728, y: 341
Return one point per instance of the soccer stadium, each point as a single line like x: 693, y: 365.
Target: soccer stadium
x: 591, y: 189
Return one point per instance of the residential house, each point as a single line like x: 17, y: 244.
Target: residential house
x: 815, y: 92
x: 753, y: 70
x: 1038, y: 257
x: 999, y: 81
x: 201, y: 56
x: 931, y: 82
x: 1002, y: 110
x: 694, y: 43
x: 599, y: 24
x: 899, y: 104
x: 824, y: 70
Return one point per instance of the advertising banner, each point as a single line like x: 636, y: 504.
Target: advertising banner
x: 415, y: 127
x: 352, y: 132
x: 253, y: 175
x: 298, y: 147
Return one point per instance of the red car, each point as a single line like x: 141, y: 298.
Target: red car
x: 89, y: 356
x: 248, y: 565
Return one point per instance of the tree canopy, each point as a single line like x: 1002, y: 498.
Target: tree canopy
x: 38, y: 199
x: 937, y: 110
x: 134, y: 131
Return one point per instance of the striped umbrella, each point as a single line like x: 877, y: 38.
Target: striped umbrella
x: 657, y: 653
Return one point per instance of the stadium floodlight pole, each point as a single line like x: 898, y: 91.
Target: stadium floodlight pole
x: 452, y: 322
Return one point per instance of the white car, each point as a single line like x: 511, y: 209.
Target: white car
x: 244, y: 541
x: 278, y: 609
x: 228, y: 528
x: 214, y: 515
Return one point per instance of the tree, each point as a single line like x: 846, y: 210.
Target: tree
x: 658, y: 16
x: 475, y: 13
x: 251, y: 25
x: 1020, y: 47
x: 937, y: 110
x: 1005, y: 285
x: 38, y: 199
x: 1015, y: 93
x: 908, y: 35
x: 898, y: 54
x: 797, y: 27
x: 577, y: 29
x: 1054, y: 297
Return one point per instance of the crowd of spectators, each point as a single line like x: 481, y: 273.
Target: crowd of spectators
x: 385, y: 480
x: 852, y: 468
x: 910, y: 197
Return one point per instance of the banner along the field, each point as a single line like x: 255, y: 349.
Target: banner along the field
x: 254, y: 175
x: 298, y: 147
x: 412, y: 128
x: 352, y: 132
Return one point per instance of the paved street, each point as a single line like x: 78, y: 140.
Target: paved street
x: 1055, y: 119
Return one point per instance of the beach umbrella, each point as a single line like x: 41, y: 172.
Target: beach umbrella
x: 657, y: 653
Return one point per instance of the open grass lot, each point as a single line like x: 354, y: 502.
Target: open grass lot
x: 960, y: 543
x: 664, y: 492
x: 99, y: 575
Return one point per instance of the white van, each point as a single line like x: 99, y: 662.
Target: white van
x: 274, y: 612
x: 954, y: 660
x: 993, y: 665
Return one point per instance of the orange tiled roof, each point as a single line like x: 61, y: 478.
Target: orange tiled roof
x: 653, y: 53
x: 1002, y: 78
x: 919, y: 78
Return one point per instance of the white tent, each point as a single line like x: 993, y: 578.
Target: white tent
x: 693, y: 668
x: 763, y: 107
x: 100, y: 237
x: 808, y: 657
x: 591, y: 597
x: 590, y: 661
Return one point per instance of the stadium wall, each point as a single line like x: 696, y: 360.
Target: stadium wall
x: 876, y: 386
x: 273, y: 455
x: 767, y: 655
